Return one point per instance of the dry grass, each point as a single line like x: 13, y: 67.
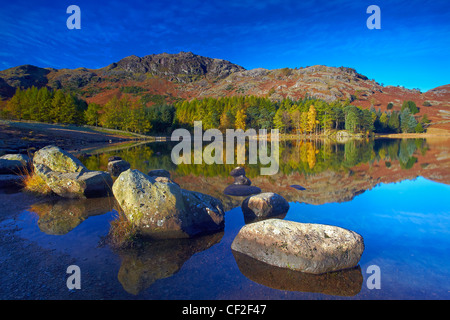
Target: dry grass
x: 33, y: 183
x: 122, y: 233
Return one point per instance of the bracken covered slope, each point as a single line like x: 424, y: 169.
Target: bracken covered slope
x: 186, y: 75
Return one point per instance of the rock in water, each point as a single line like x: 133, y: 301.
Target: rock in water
x: 238, y: 171
x: 116, y: 167
x: 56, y: 159
x: 305, y: 247
x: 159, y: 173
x: 264, y: 205
x: 242, y: 180
x: 159, y: 208
x: 24, y: 159
x: 85, y: 184
x: 67, y: 176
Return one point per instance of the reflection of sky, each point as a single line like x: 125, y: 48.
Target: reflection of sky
x: 406, y: 230
x: 405, y: 226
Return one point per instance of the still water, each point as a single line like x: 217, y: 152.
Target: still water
x: 395, y: 193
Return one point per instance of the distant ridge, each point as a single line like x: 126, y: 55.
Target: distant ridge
x: 185, y: 75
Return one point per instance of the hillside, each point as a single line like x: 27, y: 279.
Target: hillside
x: 169, y: 77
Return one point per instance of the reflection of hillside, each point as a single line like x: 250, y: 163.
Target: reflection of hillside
x: 159, y: 259
x: 395, y: 163
x: 330, y: 172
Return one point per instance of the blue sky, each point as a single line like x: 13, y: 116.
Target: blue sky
x: 411, y: 49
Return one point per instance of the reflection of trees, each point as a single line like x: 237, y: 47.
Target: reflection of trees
x: 303, y: 156
x: 160, y: 259
x: 340, y: 283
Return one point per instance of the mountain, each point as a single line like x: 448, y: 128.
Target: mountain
x: 167, y: 77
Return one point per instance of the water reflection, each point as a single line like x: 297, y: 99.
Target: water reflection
x: 340, y: 283
x: 303, y: 156
x: 327, y: 171
x: 59, y: 216
x: 160, y: 259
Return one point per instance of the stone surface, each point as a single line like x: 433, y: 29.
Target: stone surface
x: 67, y: 176
x: 263, y: 206
x: 58, y: 160
x: 159, y: 208
x: 159, y: 173
x: 305, y: 247
x: 85, y: 184
x: 24, y: 159
x: 116, y: 167
x: 238, y: 171
x: 242, y: 180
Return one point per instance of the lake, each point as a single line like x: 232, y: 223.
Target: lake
x: 395, y: 193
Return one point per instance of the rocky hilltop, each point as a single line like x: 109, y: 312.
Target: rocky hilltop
x: 167, y: 77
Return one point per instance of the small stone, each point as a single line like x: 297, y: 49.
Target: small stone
x: 242, y: 180
x: 238, y: 171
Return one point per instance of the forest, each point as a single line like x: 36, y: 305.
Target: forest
x: 307, y: 116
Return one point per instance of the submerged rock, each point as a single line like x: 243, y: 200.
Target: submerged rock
x: 305, y: 247
x: 263, y: 206
x: 241, y: 190
x: 159, y: 208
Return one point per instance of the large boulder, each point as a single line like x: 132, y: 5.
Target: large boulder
x: 159, y: 208
x: 85, y: 184
x: 58, y: 160
x: 67, y: 176
x: 305, y: 247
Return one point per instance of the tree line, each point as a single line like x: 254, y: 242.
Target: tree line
x: 307, y: 116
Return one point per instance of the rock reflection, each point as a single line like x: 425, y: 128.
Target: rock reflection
x: 249, y: 217
x: 341, y: 283
x: 60, y: 216
x: 159, y: 259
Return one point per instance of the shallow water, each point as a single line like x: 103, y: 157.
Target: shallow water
x: 402, y: 211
